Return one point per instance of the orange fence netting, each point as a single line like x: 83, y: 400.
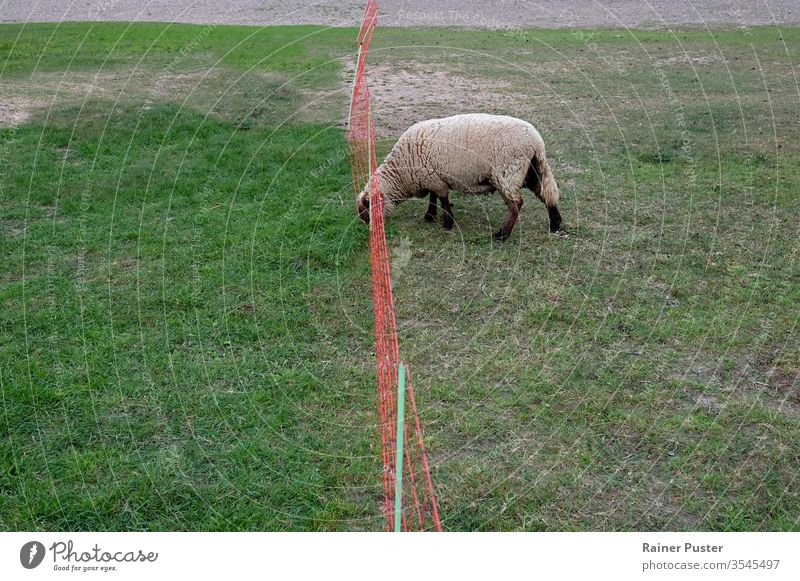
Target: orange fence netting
x: 419, y: 507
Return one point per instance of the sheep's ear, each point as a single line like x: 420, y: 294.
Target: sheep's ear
x: 362, y: 207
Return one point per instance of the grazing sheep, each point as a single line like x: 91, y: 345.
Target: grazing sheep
x: 472, y: 154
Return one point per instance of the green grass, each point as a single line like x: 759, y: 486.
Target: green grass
x: 186, y: 325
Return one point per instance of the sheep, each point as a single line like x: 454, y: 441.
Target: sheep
x: 473, y: 154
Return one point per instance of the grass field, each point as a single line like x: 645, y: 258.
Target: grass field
x: 186, y: 325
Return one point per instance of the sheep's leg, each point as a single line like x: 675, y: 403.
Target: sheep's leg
x: 514, y: 204
x: 430, y: 215
x: 555, y: 218
x: 535, y: 185
x: 540, y: 181
x: 447, y: 220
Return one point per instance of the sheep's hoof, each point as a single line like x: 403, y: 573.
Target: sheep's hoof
x: 500, y: 236
x: 430, y: 218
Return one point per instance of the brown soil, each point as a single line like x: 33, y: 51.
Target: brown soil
x: 415, y: 13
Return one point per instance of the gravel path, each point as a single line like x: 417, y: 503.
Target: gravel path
x: 502, y: 14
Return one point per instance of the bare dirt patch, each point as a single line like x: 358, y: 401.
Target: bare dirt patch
x: 17, y: 110
x: 754, y: 377
x: 84, y: 84
x: 773, y: 384
x: 168, y: 84
x: 411, y: 91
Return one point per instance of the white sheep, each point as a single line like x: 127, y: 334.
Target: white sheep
x: 472, y: 154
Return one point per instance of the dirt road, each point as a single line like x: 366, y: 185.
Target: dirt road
x: 463, y: 13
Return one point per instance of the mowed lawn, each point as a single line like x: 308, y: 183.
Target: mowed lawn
x: 186, y: 317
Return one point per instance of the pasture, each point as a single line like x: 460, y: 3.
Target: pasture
x: 186, y: 325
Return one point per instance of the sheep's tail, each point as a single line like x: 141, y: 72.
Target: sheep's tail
x: 541, y: 182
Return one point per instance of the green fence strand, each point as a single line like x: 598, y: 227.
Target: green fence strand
x: 400, y: 436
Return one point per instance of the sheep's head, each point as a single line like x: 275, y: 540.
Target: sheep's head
x: 362, y: 205
x: 364, y: 197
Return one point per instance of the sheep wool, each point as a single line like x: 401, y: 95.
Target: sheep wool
x: 471, y: 154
